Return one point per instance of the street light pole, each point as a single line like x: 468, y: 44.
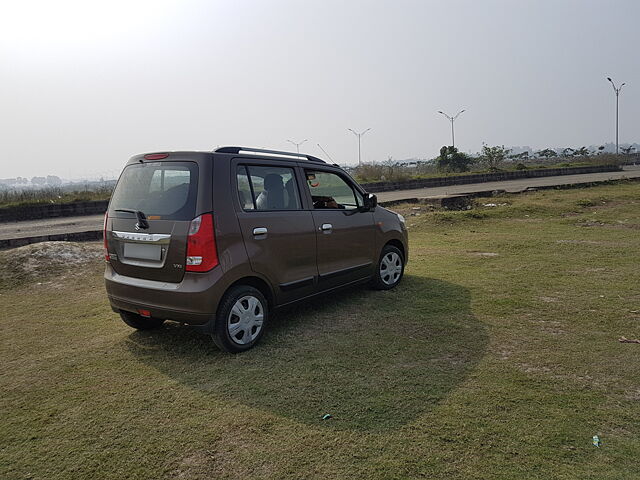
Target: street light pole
x: 452, y: 119
x: 297, y: 144
x: 617, y: 91
x: 359, y: 135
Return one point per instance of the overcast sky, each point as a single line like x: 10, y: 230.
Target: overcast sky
x: 86, y: 84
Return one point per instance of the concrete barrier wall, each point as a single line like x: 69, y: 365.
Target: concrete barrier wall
x: 66, y: 237
x: 485, y: 177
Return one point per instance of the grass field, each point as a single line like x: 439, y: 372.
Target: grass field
x: 53, y: 195
x: 394, y: 172
x: 496, y: 358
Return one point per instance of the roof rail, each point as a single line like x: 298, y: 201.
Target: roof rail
x: 268, y: 152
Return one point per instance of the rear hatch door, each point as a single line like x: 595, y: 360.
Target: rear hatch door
x: 165, y: 194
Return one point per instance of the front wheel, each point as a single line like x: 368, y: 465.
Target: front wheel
x: 241, y: 319
x: 390, y: 268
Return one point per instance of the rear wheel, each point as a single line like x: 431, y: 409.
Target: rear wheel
x: 241, y: 319
x: 390, y: 268
x: 139, y: 322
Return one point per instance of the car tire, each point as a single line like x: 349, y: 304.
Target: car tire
x: 241, y: 319
x: 139, y: 322
x: 389, y: 269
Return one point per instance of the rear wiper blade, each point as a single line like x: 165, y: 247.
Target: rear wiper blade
x: 142, y: 218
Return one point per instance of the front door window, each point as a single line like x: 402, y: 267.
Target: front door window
x: 330, y: 191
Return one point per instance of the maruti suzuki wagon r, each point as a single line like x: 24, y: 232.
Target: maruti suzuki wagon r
x: 218, y: 240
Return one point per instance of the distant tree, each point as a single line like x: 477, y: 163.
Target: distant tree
x: 493, y: 157
x: 582, y: 151
x: 451, y: 160
x: 568, y: 152
x: 38, y: 180
x: 53, y: 180
x: 628, y: 150
x: 546, y: 153
x: 519, y: 156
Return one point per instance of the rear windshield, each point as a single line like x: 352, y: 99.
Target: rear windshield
x: 160, y: 190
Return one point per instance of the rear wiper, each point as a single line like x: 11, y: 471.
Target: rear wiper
x: 142, y: 218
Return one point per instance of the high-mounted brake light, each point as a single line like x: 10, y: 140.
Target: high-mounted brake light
x: 104, y: 238
x: 155, y: 156
x: 202, y: 254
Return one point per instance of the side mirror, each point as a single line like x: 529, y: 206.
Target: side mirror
x: 370, y: 201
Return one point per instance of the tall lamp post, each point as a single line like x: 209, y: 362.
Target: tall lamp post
x: 617, y: 91
x: 297, y: 144
x: 452, y: 119
x: 359, y: 135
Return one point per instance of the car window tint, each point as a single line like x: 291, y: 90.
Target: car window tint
x: 163, y: 189
x: 274, y: 188
x: 244, y: 189
x: 329, y: 190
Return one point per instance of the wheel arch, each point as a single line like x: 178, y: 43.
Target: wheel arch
x: 257, y: 283
x: 399, y: 245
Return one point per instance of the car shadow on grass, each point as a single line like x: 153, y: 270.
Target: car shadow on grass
x: 373, y: 360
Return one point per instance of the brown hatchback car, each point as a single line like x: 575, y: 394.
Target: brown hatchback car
x: 218, y: 240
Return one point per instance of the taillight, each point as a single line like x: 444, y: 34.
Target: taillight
x: 202, y: 255
x: 155, y: 156
x: 104, y: 238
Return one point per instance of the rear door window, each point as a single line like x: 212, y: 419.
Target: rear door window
x: 161, y: 190
x: 267, y: 188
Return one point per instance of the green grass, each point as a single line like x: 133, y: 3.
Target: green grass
x: 496, y: 358
x: 58, y: 195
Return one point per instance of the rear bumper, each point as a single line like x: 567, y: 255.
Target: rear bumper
x: 194, y: 300
x: 196, y: 319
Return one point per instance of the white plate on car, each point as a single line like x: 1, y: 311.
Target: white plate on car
x: 141, y: 251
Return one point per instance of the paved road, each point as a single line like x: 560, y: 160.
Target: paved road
x: 519, y: 185
x: 50, y: 226
x: 53, y: 226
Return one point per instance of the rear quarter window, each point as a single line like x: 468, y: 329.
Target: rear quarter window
x: 165, y: 190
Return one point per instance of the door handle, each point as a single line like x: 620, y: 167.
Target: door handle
x: 259, y: 231
x: 326, y: 226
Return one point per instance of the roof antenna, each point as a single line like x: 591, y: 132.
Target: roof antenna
x: 325, y: 152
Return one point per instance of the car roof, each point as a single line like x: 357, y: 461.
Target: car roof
x: 257, y: 153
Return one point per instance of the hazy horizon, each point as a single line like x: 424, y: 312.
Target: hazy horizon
x: 86, y: 87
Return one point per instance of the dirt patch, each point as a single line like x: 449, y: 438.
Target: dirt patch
x: 485, y: 254
x: 226, y: 457
x: 591, y: 242
x: 40, y: 260
x: 549, y: 299
x: 504, y: 354
x: 192, y: 463
x: 578, y: 242
x: 631, y: 226
x: 551, y: 330
x: 632, y: 395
